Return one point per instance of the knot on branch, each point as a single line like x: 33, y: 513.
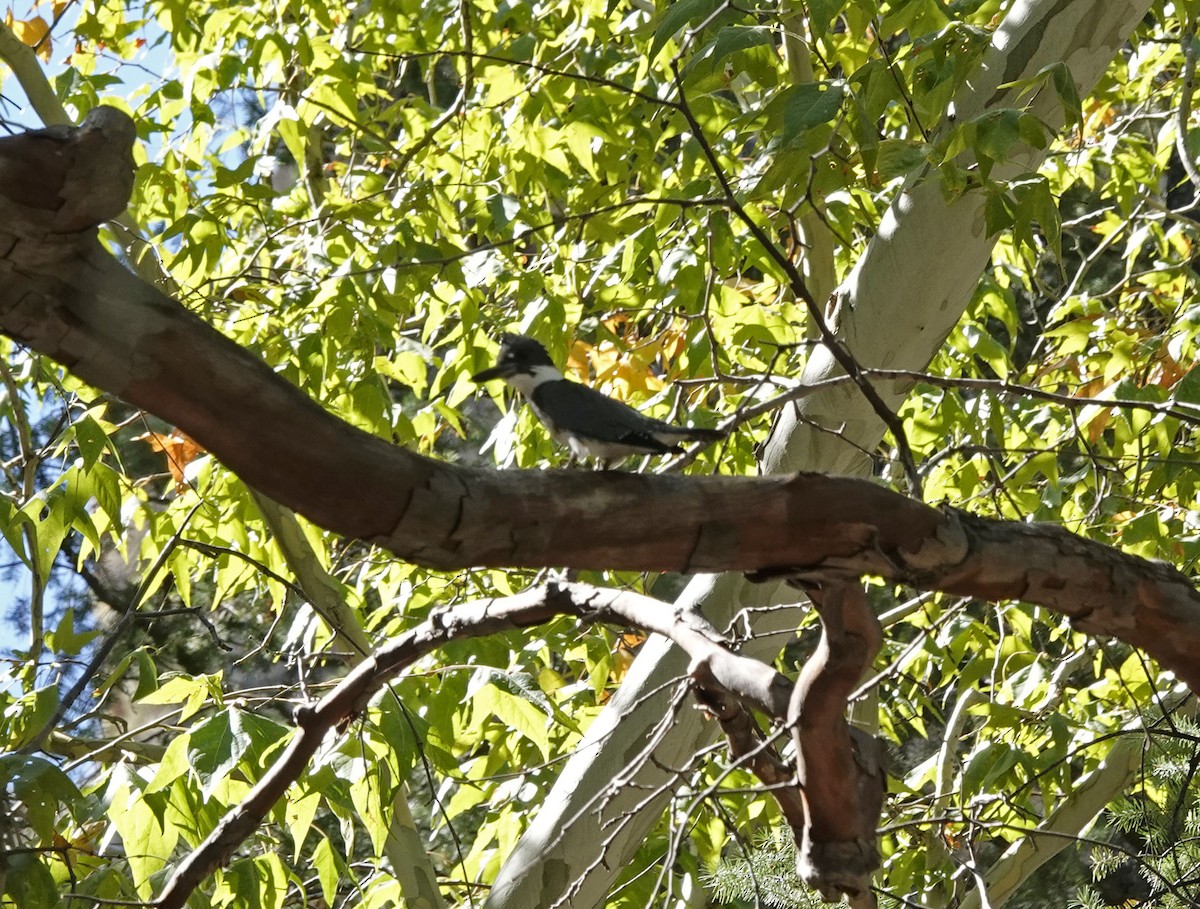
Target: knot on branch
x: 840, y: 868
x: 67, y: 179
x: 947, y: 546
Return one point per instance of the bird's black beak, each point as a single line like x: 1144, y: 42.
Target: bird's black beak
x: 499, y: 371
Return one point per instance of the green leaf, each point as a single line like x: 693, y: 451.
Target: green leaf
x: 1068, y: 92
x: 729, y: 40
x: 1187, y: 389
x: 273, y: 880
x: 51, y: 523
x: 147, y: 675
x: 145, y: 838
x: 64, y: 639
x: 28, y: 882
x: 175, y: 763
x: 1043, y: 208
x: 517, y: 713
x: 300, y: 807
x: 1033, y: 131
x: 372, y: 794
x: 91, y: 440
x: 41, y: 787
x: 397, y: 728
x: 329, y: 868
x: 898, y: 157
x: 821, y: 13
x: 996, y: 132
x: 193, y: 691
x: 216, y: 747
x: 31, y: 712
x: 806, y: 106
x: 676, y: 17
x: 999, y: 213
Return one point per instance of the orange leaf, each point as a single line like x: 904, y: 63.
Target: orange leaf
x: 951, y: 837
x: 1098, y: 424
x: 674, y: 343
x: 614, y: 323
x: 623, y: 654
x: 180, y: 450
x: 630, y: 640
x: 577, y: 359
x: 1166, y: 371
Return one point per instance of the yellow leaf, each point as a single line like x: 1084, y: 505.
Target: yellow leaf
x: 577, y: 359
x: 34, y: 33
x: 623, y: 653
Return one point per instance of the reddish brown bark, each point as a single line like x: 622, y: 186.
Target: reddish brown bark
x: 841, y: 770
x: 65, y: 296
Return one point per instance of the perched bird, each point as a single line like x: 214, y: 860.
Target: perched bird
x: 589, y: 423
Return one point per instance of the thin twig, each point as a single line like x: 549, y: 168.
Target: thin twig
x: 460, y: 102
x: 68, y: 700
x: 1185, y: 413
x: 800, y: 289
x: 30, y: 459
x: 526, y: 64
x: 890, y: 65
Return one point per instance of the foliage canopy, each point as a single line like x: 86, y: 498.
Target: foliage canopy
x: 365, y: 195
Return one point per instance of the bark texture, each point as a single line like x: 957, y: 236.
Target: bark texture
x: 841, y: 770
x: 65, y: 296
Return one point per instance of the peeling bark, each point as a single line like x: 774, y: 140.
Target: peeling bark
x: 65, y: 296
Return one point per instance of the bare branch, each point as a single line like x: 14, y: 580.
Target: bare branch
x: 748, y: 679
x: 1183, y: 114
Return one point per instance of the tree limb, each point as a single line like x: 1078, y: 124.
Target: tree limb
x: 65, y: 296
x: 841, y: 770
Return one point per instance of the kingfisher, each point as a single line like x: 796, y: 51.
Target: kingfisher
x: 591, y: 424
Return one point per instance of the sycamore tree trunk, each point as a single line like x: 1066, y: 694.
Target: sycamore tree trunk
x: 908, y: 290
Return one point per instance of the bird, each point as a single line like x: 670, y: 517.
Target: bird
x: 591, y: 424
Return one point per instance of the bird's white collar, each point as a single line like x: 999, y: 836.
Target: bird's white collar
x: 526, y: 382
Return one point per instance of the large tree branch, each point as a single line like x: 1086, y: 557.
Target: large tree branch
x: 65, y: 296
x: 841, y: 769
